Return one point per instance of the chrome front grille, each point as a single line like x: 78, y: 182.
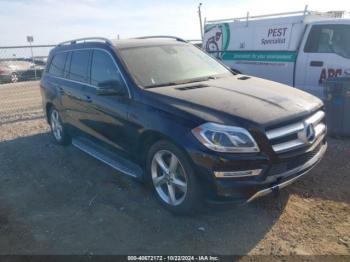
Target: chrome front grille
x: 299, y: 134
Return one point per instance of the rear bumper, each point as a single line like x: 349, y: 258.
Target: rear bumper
x: 5, y: 78
x: 274, y: 176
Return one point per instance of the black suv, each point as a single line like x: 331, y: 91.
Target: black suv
x: 163, y: 111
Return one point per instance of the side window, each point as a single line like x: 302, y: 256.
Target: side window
x: 57, y: 64
x: 104, y: 71
x: 79, y: 66
x: 329, y: 39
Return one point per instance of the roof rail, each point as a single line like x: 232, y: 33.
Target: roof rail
x: 86, y: 39
x: 162, y: 36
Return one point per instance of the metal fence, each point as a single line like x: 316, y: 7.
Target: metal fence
x: 27, y: 62
x: 22, y: 63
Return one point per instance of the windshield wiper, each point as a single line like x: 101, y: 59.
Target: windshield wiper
x: 183, y: 82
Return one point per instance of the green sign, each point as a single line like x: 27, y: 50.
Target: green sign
x: 261, y: 56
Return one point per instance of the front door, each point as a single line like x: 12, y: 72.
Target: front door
x: 107, y: 118
x: 326, y: 54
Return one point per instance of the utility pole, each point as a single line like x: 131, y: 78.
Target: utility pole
x: 200, y: 19
x: 30, y: 39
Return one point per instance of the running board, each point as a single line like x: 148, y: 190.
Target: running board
x: 108, y: 157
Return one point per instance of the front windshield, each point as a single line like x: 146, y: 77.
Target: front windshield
x: 170, y: 64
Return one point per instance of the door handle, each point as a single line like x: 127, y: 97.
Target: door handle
x: 60, y: 90
x: 316, y: 63
x: 88, y: 99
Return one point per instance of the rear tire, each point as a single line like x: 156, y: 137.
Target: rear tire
x: 58, y: 130
x: 172, y: 179
x: 14, y: 78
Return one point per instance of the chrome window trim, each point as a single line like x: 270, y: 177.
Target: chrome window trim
x: 74, y: 81
x: 88, y: 84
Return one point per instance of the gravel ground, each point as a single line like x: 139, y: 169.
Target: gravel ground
x: 58, y: 200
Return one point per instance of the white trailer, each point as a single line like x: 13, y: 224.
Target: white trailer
x: 300, y: 49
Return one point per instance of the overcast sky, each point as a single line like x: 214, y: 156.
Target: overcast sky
x: 52, y: 21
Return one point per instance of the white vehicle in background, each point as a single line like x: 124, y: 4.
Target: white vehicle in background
x: 300, y: 49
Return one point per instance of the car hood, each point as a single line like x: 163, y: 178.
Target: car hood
x: 253, y: 99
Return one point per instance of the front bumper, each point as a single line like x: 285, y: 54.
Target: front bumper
x: 292, y: 175
x: 276, y: 174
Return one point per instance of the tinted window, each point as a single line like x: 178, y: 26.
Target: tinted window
x: 57, y: 64
x: 79, y: 66
x: 103, y: 70
x: 329, y: 39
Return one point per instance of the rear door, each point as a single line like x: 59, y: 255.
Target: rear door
x: 77, y: 75
x: 326, y: 53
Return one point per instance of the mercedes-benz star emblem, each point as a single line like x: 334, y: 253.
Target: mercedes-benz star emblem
x: 308, y: 135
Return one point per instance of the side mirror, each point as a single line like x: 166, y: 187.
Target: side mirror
x: 110, y: 88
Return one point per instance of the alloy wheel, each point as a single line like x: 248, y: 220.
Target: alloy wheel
x: 14, y: 78
x: 169, y: 177
x: 56, y: 125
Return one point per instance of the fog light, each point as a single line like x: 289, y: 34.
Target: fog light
x: 242, y: 173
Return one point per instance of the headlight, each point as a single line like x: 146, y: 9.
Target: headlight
x: 223, y: 138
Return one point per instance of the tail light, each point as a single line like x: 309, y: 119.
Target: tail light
x: 2, y: 70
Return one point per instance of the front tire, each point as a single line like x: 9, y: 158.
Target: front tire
x: 57, y: 128
x: 172, y: 178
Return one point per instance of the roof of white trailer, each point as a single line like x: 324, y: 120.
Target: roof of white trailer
x: 289, y: 17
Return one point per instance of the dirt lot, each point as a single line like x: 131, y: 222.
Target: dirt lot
x: 58, y: 200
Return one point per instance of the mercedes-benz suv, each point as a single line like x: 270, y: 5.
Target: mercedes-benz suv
x: 163, y: 111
